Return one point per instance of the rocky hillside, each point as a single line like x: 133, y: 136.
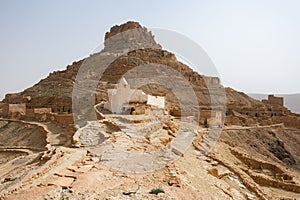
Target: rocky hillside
x: 55, y: 91
x: 291, y: 101
x: 124, y: 156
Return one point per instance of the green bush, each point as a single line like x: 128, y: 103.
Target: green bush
x: 156, y: 191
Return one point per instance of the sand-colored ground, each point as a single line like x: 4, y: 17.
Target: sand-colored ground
x: 245, y: 163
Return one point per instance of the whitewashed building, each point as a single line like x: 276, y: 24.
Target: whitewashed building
x: 123, y: 99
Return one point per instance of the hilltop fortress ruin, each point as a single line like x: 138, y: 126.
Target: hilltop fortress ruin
x: 51, y: 98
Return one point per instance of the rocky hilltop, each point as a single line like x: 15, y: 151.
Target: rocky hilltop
x: 55, y: 91
x: 255, y: 157
x: 133, y: 36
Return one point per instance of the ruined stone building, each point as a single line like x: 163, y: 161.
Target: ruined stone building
x: 24, y: 107
x: 3, y: 109
x: 276, y: 104
x: 273, y: 100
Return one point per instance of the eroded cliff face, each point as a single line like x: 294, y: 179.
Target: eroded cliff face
x: 130, y: 35
x: 121, y: 28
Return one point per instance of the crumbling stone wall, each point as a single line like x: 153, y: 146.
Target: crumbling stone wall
x: 289, y: 121
x: 42, y: 110
x: 16, y: 111
x: 3, y: 109
x: 211, y: 118
x: 64, y: 120
x: 273, y: 100
x: 30, y: 113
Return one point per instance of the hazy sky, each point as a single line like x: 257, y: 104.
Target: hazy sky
x: 255, y: 44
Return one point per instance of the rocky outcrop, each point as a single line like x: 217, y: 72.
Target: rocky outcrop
x: 121, y: 28
x: 130, y: 35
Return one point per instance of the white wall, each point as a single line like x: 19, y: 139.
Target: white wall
x: 118, y: 97
x: 156, y: 101
x: 138, y: 96
x: 122, y: 95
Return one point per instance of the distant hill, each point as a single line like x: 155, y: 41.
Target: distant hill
x: 291, y: 101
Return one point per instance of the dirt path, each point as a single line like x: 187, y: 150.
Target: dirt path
x: 69, y: 158
x: 252, y: 127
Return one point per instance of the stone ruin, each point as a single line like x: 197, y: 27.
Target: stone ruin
x: 273, y: 100
x: 266, y: 112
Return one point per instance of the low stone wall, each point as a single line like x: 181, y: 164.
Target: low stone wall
x: 289, y: 121
x: 16, y: 111
x: 30, y: 113
x: 232, y: 120
x: 42, y: 110
x: 64, y: 120
x: 1, y: 112
x: 269, y: 182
